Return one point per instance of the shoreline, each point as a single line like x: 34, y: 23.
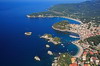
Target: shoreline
x: 59, y: 29
x: 80, y: 49
x: 54, y: 16
x: 72, y: 19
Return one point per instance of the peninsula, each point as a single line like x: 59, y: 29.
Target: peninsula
x: 88, y: 14
x: 85, y: 12
x: 61, y: 26
x: 89, y: 42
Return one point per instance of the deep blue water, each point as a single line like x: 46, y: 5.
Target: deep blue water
x: 16, y: 49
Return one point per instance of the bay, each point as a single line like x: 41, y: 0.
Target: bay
x: 18, y: 49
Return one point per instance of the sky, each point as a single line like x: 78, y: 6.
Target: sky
x: 43, y: 0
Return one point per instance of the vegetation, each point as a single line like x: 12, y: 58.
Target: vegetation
x: 95, y: 40
x: 49, y: 35
x: 50, y: 38
x: 64, y: 59
x: 88, y: 11
x: 45, y: 14
x: 62, y: 25
x: 56, y: 39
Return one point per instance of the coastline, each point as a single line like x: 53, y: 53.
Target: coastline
x: 72, y: 19
x: 59, y: 29
x: 54, y: 16
x: 80, y: 49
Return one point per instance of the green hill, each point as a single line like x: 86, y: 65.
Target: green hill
x: 94, y: 39
x: 88, y: 11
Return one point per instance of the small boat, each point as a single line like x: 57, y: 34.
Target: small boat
x: 28, y: 33
x: 37, y: 58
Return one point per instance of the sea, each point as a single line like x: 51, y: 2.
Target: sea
x: 17, y: 49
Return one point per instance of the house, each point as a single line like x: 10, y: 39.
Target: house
x: 73, y: 64
x: 73, y: 60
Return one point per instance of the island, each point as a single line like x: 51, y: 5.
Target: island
x: 47, y: 46
x: 88, y: 15
x: 88, y: 45
x: 54, y: 40
x: 28, y: 33
x: 50, y: 53
x: 61, y: 26
x: 37, y: 58
x: 85, y: 12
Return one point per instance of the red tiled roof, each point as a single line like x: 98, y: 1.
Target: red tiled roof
x: 85, y: 53
x: 85, y: 64
x: 73, y: 64
x: 91, y: 52
x: 94, y: 58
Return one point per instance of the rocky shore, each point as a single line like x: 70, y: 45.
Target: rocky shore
x: 49, y: 37
x: 41, y: 16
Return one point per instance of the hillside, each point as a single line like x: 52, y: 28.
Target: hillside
x: 95, y: 40
x: 88, y: 11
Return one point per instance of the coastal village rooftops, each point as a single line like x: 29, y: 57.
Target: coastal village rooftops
x: 73, y: 64
x: 91, y: 52
x: 85, y: 53
x: 86, y: 64
x: 73, y: 60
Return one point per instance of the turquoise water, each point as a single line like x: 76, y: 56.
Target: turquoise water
x: 18, y: 49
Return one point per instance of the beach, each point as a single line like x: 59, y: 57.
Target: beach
x: 80, y: 51
x: 29, y: 16
x: 73, y: 19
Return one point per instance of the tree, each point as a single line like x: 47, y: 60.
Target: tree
x: 57, y: 39
x: 64, y: 59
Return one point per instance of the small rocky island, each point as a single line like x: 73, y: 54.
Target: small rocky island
x: 61, y: 26
x: 37, y: 58
x: 50, y: 38
x: 28, y: 33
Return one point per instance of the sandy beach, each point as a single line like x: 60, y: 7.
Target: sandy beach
x: 72, y: 19
x: 55, y: 16
x: 80, y: 51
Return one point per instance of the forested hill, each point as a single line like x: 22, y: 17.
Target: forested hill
x: 85, y: 11
x: 88, y: 11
